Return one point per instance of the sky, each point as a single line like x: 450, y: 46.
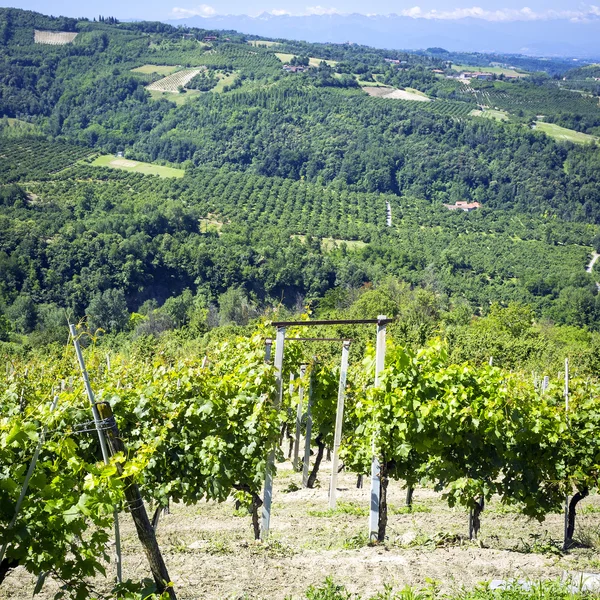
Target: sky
x: 491, y: 10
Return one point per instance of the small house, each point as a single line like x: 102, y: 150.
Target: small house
x: 463, y: 205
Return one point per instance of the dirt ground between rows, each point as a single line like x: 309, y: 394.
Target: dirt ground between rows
x: 210, y: 552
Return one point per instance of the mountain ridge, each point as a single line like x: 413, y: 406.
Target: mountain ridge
x: 552, y: 37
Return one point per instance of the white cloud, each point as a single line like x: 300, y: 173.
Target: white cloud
x: 582, y: 13
x: 321, y: 10
x: 203, y: 10
x: 505, y: 14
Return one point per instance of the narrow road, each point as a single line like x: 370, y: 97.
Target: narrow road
x: 590, y: 267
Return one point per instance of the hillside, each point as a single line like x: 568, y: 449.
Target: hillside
x: 270, y: 146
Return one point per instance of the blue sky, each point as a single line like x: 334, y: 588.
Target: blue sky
x: 500, y: 10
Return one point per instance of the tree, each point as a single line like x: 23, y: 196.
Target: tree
x: 108, y: 311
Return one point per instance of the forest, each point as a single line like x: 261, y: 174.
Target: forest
x: 287, y: 179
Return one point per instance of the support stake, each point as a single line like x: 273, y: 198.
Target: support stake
x: 307, y: 440
x: 268, y: 489
x: 101, y: 439
x: 375, y: 466
x: 339, y: 421
x: 299, y: 410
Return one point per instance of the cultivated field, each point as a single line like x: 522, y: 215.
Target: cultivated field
x: 108, y: 160
x: 564, y: 134
x: 494, y: 70
x: 173, y: 82
x: 387, y: 92
x: 497, y: 115
x: 313, y: 62
x: 158, y: 69
x: 263, y: 43
x: 210, y: 551
x: 53, y: 38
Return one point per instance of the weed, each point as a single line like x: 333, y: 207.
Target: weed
x: 343, y: 508
x: 540, y: 543
x: 360, y: 540
x: 329, y: 590
x: 292, y: 487
x: 218, y: 547
x: 407, y: 510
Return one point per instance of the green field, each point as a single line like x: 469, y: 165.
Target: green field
x: 223, y: 81
x: 158, y: 69
x: 313, y: 62
x: 495, y: 70
x: 173, y: 97
x: 416, y: 92
x: 109, y: 160
x: 563, y: 134
x: 263, y: 43
x: 497, y: 115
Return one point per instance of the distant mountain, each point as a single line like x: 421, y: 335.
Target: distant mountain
x: 552, y: 37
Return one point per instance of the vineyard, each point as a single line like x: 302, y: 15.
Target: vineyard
x: 54, y: 38
x: 535, y: 101
x: 174, y: 83
x: 202, y: 428
x: 34, y: 158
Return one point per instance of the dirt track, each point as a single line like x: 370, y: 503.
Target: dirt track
x: 210, y: 552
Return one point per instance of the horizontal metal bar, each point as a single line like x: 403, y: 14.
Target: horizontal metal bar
x: 298, y: 339
x: 335, y: 322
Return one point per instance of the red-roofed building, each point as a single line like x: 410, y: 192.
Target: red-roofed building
x: 463, y: 205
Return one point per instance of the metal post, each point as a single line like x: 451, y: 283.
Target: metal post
x: 299, y: 410
x: 306, y: 464
x: 565, y: 537
x: 545, y: 383
x: 268, y: 490
x: 27, y: 479
x: 101, y: 438
x: 375, y: 466
x: 268, y: 347
x: 339, y: 421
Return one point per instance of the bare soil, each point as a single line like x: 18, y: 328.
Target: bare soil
x: 393, y: 93
x: 210, y: 551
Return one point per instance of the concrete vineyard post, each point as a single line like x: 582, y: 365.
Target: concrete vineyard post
x: 306, y: 464
x: 339, y: 421
x: 101, y: 439
x: 268, y: 490
x: 566, y: 539
x: 299, y: 410
x: 375, y: 466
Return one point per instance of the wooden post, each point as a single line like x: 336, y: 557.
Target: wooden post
x: 375, y: 466
x: 145, y: 531
x: 299, y: 410
x: 566, y: 539
x: 268, y: 490
x: 339, y: 421
x: 103, y: 446
x: 306, y: 465
x: 27, y: 479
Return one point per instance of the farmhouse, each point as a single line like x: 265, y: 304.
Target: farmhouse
x: 477, y: 75
x: 295, y: 69
x: 463, y: 205
x: 210, y: 38
x: 439, y: 71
